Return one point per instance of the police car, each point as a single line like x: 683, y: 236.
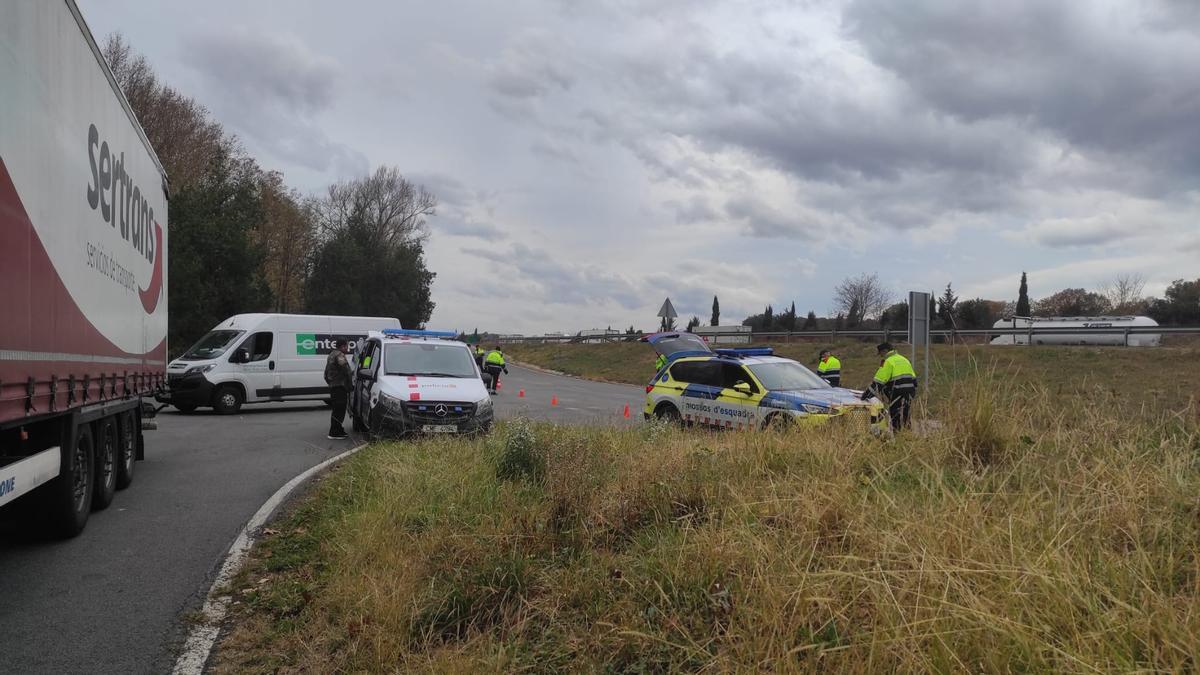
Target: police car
x: 418, y: 381
x: 744, y: 389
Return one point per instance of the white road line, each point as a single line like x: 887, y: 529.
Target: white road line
x: 203, y: 635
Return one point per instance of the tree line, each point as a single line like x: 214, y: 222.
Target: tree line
x: 241, y: 240
x: 865, y: 302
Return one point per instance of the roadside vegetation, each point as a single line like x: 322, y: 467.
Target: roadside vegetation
x: 1162, y: 377
x: 1029, y: 532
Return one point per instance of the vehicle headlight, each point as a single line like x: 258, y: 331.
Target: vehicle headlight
x: 814, y: 409
x: 200, y: 369
x: 483, y: 405
x: 391, y: 403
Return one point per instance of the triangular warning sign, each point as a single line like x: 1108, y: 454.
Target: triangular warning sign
x: 667, y: 311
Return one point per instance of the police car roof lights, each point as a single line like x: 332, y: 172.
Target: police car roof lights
x: 746, y: 351
x: 414, y: 332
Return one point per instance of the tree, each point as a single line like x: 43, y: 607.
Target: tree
x: 1072, y: 302
x: 1023, y: 298
x: 946, y: 306
x: 373, y: 228
x: 692, y: 323
x: 839, y: 322
x: 974, y: 314
x: 286, y: 235
x: 214, y: 266
x: 897, y: 316
x: 788, y: 320
x: 810, y: 322
x: 1180, y: 305
x: 861, y: 297
x: 716, y: 313
x: 666, y: 324
x: 768, y: 320
x: 1124, y: 293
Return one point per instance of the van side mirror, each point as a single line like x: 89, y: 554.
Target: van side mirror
x: 742, y: 388
x: 240, y: 356
x: 364, y: 373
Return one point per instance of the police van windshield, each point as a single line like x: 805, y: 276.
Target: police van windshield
x: 212, y: 345
x: 428, y: 360
x: 786, y: 375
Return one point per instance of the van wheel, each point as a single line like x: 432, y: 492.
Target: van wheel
x: 105, y: 484
x: 185, y: 409
x: 127, y: 438
x: 69, y: 497
x: 227, y: 399
x: 356, y: 424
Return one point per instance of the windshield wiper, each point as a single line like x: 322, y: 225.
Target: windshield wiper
x: 439, y: 375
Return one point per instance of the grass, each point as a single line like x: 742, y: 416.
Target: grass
x: 1129, y: 378
x: 1030, y: 532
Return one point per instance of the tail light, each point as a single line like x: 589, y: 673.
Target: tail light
x: 649, y: 388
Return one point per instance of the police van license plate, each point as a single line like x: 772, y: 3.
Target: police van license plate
x: 439, y: 428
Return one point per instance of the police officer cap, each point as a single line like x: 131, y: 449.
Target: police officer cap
x: 884, y: 347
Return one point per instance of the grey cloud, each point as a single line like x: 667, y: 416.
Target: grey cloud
x: 523, y: 72
x: 1094, y: 230
x: 761, y: 221
x: 467, y: 228
x: 270, y: 88
x: 560, y: 282
x: 694, y: 210
x: 1106, y: 79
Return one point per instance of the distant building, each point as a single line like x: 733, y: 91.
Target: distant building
x: 599, y: 335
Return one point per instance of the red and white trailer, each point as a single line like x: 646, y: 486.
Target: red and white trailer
x: 83, y: 270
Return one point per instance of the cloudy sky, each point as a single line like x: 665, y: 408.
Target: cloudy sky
x: 594, y: 156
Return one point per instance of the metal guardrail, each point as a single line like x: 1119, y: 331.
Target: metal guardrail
x: 885, y: 334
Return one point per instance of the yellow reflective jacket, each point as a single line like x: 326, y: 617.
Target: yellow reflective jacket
x: 896, y: 375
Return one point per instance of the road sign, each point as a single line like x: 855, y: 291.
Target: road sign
x: 668, y: 310
x: 918, y: 328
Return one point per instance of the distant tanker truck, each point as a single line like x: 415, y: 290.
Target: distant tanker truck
x: 83, y: 271
x: 1109, y: 331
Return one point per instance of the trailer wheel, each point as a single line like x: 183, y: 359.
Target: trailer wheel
x: 227, y: 399
x: 69, y: 497
x: 126, y: 449
x: 105, y: 484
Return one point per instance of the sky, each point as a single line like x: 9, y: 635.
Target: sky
x: 592, y: 157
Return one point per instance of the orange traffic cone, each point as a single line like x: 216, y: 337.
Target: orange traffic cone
x: 626, y: 411
x: 521, y: 394
x: 553, y: 400
x: 499, y: 384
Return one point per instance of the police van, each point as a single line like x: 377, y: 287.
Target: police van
x: 747, y: 388
x: 259, y: 358
x: 418, y: 381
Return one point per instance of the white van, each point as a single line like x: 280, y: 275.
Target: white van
x: 418, y: 382
x: 257, y: 358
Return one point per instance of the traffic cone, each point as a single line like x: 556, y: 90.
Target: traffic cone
x: 553, y: 400
x: 521, y: 394
x: 499, y: 384
x: 626, y: 411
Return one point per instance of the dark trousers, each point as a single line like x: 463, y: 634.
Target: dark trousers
x: 494, y: 371
x: 337, y: 397
x: 833, y: 380
x: 900, y: 411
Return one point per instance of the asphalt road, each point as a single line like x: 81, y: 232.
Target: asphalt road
x: 114, y: 599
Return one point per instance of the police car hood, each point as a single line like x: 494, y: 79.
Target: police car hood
x: 828, y: 397
x: 416, y: 388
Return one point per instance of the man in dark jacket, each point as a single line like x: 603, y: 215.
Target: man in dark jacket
x: 337, y: 376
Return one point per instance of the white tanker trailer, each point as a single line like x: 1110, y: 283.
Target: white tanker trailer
x: 1110, y: 333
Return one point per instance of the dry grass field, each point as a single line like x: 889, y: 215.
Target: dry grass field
x: 1051, y: 523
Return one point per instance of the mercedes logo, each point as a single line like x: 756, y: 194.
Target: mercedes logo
x: 440, y: 410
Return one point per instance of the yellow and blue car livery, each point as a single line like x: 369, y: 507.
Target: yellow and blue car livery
x: 747, y: 388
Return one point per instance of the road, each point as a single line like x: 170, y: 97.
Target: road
x: 115, y: 599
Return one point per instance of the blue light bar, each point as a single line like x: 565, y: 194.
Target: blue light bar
x: 413, y: 332
x: 747, y: 351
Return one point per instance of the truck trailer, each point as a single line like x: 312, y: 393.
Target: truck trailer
x: 83, y: 271
x: 1109, y: 330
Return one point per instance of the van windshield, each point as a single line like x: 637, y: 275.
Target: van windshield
x: 428, y: 360
x: 212, y: 345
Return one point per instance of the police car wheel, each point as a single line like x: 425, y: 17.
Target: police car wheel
x: 227, y: 399
x: 777, y: 422
x: 668, y: 413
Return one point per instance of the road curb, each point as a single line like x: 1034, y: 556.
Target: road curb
x: 203, y: 635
